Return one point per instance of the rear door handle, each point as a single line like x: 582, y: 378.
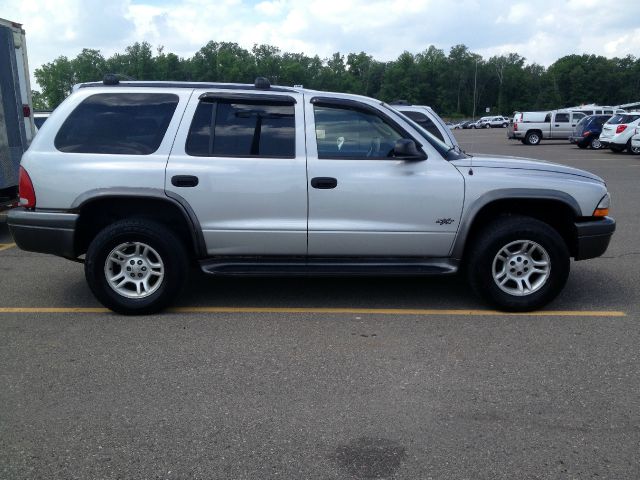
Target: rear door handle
x: 324, y: 183
x: 184, y: 181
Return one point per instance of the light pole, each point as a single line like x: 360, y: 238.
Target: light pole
x: 475, y: 83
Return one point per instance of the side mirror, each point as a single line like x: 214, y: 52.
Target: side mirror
x: 406, y: 149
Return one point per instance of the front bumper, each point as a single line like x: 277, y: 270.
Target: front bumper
x: 43, y: 232
x: 593, y: 237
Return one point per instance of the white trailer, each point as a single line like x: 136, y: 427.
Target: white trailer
x: 16, y: 118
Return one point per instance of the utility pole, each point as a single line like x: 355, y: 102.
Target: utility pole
x: 475, y: 83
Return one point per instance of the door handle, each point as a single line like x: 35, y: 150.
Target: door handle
x: 184, y: 181
x: 556, y: 125
x: 324, y: 183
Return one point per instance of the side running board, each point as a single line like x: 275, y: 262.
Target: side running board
x: 333, y: 267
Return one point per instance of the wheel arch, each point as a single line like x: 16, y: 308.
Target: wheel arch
x: 534, y: 130
x: 98, y: 208
x: 558, y: 209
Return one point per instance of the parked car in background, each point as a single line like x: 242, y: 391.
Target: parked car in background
x: 428, y: 119
x: 496, y: 122
x: 587, y: 131
x: 617, y: 132
x: 39, y: 118
x: 635, y: 140
x: 16, y: 122
x: 480, y: 123
x: 530, y: 130
x: 463, y: 125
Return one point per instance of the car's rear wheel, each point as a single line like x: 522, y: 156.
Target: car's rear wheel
x: 631, y: 150
x: 595, y: 143
x: 532, y: 138
x: 518, y: 263
x: 136, y: 267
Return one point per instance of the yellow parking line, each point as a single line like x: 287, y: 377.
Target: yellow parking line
x: 353, y: 311
x: 6, y: 246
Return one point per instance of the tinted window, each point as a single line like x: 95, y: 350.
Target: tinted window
x: 39, y: 121
x: 348, y: 133
x: 608, y: 111
x: 547, y: 118
x: 562, y: 117
x: 425, y: 122
x: 583, y: 121
x: 242, y: 129
x: 623, y: 118
x: 117, y: 123
x: 577, y: 116
x: 601, y: 120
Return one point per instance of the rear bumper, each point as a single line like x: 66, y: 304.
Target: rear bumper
x: 593, y: 237
x: 43, y: 232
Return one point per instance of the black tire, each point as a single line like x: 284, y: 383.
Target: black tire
x: 487, y: 126
x: 532, y: 138
x: 502, y: 232
x: 171, y: 253
x: 582, y: 145
x: 631, y: 150
x: 504, y: 125
x: 594, y: 143
x: 617, y: 148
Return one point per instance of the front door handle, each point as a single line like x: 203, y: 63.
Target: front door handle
x: 324, y: 183
x: 184, y: 181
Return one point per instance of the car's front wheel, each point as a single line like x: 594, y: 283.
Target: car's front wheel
x: 136, y: 267
x: 631, y: 149
x: 518, y: 263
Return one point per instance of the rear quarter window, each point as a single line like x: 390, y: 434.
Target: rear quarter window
x: 117, y: 123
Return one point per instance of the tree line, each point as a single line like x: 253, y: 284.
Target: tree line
x: 456, y: 84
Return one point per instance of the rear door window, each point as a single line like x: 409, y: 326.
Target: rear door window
x: 242, y: 128
x: 562, y: 118
x: 117, y: 123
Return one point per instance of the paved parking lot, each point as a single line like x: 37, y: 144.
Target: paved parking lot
x: 326, y: 378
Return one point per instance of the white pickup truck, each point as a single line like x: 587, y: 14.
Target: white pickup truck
x: 531, y: 127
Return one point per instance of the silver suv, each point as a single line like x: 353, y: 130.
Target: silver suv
x: 140, y: 180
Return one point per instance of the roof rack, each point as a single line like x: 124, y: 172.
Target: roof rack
x: 113, y: 80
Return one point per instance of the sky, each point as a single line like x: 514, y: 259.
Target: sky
x: 541, y: 31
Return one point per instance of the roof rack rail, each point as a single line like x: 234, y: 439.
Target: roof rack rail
x: 117, y: 80
x: 400, y: 102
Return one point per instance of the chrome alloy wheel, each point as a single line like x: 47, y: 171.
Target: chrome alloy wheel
x: 134, y: 270
x: 595, y: 144
x: 521, y: 268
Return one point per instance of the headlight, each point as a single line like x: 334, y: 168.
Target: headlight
x: 602, y: 210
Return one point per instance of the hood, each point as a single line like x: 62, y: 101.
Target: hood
x: 520, y: 163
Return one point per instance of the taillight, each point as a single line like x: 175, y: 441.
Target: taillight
x: 621, y: 128
x: 27, y: 193
x: 515, y: 127
x: 26, y: 111
x: 586, y: 134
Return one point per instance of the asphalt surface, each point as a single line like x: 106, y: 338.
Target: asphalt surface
x: 261, y: 393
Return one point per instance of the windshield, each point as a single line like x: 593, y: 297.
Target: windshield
x: 448, y: 152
